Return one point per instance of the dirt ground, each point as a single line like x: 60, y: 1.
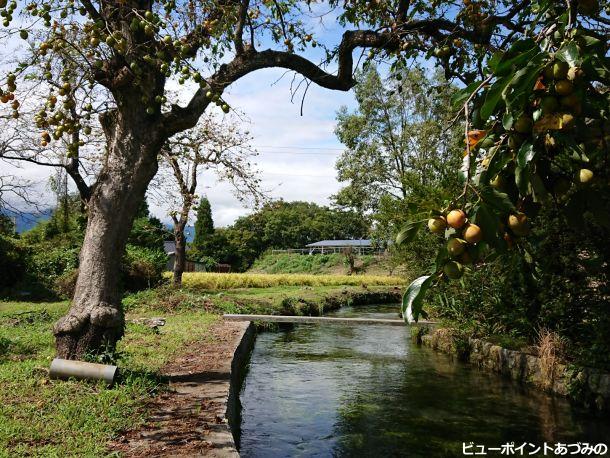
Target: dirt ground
x: 189, y: 419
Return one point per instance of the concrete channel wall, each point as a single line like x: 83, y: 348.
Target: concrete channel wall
x: 222, y: 435
x: 239, y: 370
x: 586, y: 386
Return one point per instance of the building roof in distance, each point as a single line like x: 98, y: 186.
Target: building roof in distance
x: 340, y: 243
x: 169, y: 246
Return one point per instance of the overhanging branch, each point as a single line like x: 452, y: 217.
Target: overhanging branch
x: 181, y: 118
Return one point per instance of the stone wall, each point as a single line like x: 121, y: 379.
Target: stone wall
x: 584, y: 385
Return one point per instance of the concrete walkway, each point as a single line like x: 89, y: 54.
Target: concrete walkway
x: 190, y: 419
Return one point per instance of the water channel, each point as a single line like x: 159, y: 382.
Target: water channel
x: 333, y: 390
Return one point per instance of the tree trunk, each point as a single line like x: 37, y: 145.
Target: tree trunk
x: 95, y: 320
x: 180, y: 253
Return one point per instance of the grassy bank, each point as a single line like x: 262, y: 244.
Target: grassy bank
x: 221, y: 281
x: 325, y: 264
x: 39, y: 417
x: 284, y: 300
x: 319, y: 264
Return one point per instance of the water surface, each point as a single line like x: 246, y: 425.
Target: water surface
x: 333, y: 390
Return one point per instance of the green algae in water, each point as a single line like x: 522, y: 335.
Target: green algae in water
x: 337, y: 390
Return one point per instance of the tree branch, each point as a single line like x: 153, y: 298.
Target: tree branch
x: 239, y: 29
x: 184, y: 118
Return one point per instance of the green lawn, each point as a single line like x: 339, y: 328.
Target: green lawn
x: 39, y: 417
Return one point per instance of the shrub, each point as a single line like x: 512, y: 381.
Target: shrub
x: 142, y: 267
x: 47, y: 262
x: 208, y: 262
x: 12, y: 265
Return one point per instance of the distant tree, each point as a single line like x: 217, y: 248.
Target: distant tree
x: 204, y: 225
x: 282, y: 225
x: 224, y: 150
x: 397, y: 143
x: 7, y: 225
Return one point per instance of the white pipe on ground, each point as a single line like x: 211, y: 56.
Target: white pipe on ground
x: 65, y: 369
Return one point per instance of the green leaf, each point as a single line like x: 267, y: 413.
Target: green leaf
x: 591, y: 41
x: 522, y: 179
x: 520, y: 46
x: 597, y: 69
x: 494, y: 60
x: 496, y: 163
x: 521, y: 85
x: 461, y: 96
x: 493, y: 96
x: 488, y: 221
x: 497, y: 200
x: 569, y: 53
x: 507, y: 121
x: 408, y: 233
x: 506, y: 66
x: 526, y: 154
x: 413, y: 298
x: 502, y: 62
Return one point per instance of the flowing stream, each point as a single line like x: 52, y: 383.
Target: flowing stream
x: 333, y: 390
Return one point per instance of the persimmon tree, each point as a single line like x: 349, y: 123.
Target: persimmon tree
x: 537, y: 133
x: 131, y: 49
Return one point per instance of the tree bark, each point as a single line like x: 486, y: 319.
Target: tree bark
x: 95, y: 320
x: 180, y: 254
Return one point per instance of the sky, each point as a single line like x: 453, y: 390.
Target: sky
x: 296, y: 153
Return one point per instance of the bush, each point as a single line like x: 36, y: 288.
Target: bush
x: 65, y: 284
x: 12, y: 263
x: 142, y: 267
x: 208, y: 263
x: 49, y: 261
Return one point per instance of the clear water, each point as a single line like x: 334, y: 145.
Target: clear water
x: 333, y: 390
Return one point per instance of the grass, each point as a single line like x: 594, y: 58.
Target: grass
x: 286, y: 300
x: 318, y: 264
x: 39, y: 417
x: 222, y: 281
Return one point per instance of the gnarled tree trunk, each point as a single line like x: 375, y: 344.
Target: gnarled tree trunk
x: 95, y: 320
